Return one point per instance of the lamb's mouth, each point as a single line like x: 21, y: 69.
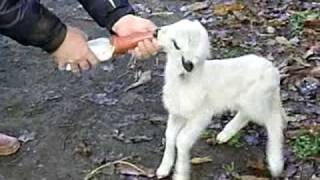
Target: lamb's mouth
x: 187, y: 65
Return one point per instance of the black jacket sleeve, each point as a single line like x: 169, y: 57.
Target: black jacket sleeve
x: 29, y: 23
x: 107, y: 12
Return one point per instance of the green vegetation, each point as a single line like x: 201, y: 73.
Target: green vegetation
x: 306, y: 145
x: 297, y: 20
x: 236, y: 140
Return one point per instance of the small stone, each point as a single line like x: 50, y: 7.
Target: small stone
x: 271, y: 42
x: 131, y: 98
x: 294, y: 41
x: 271, y: 30
x: 282, y: 40
x: 291, y: 170
x: 309, y: 86
x: 102, y: 99
x: 108, y: 68
x: 270, y: 57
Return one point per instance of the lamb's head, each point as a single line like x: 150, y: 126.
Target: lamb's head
x: 185, y: 41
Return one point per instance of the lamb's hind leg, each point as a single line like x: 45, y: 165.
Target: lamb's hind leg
x: 174, y: 125
x: 237, y: 123
x: 185, y: 140
x: 274, y: 127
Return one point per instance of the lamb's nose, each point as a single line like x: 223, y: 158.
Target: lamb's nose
x: 156, y: 32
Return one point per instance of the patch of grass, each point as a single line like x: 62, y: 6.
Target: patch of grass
x: 209, y: 133
x: 297, y: 20
x: 229, y: 168
x: 210, y: 136
x: 306, y: 145
x: 232, y: 52
x: 236, y: 140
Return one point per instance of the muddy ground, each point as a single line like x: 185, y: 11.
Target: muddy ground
x: 62, y: 115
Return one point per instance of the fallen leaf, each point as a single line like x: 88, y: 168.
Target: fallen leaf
x: 144, y: 78
x: 200, y: 160
x: 313, y: 129
x: 52, y: 95
x: 313, y: 53
x: 197, y: 6
x: 282, y: 40
x: 83, y: 149
x: 106, y: 167
x: 127, y: 168
x: 315, y: 72
x: 101, y: 99
x: 135, y: 139
x: 249, y: 177
x: 157, y: 119
x: 241, y: 17
x: 299, y: 74
x: 312, y: 24
x: 27, y: 136
x: 224, y: 9
x: 307, y: 169
x: 291, y: 170
x: 138, y: 139
x: 257, y: 166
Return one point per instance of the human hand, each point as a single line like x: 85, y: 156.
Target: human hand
x: 75, y: 51
x: 130, y: 24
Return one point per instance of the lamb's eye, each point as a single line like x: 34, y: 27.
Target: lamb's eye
x: 175, y: 45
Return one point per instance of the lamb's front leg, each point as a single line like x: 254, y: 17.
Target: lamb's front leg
x: 237, y: 123
x: 174, y: 126
x: 185, y: 140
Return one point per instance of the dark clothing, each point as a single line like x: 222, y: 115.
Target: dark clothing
x: 30, y: 23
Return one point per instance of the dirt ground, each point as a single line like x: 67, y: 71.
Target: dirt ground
x: 60, y: 115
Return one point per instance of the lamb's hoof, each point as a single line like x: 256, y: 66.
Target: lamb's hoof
x: 162, y: 172
x: 276, y: 168
x: 223, y: 137
x: 181, y: 177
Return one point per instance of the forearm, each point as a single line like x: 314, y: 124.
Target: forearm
x: 107, y: 12
x: 29, y: 23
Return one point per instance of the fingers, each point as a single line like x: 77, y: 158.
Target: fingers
x: 137, y: 53
x: 75, y: 68
x: 146, y: 48
x: 144, y: 53
x: 68, y: 59
x: 155, y: 44
x: 93, y: 60
x: 150, y: 47
x: 62, y: 65
x: 84, y: 65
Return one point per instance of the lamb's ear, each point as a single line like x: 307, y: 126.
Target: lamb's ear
x: 187, y: 65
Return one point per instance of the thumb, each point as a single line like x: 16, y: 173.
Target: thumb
x: 151, y: 27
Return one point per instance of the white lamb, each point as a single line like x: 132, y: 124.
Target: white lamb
x: 196, y: 89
